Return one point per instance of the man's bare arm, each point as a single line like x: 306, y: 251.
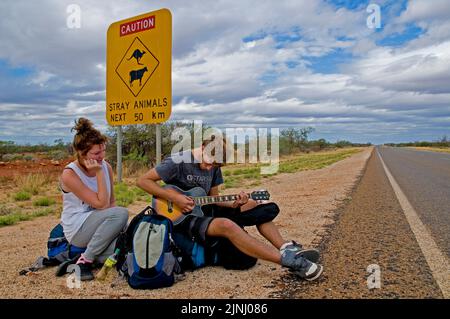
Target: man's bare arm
x: 148, y: 182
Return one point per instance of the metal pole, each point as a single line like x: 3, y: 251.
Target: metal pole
x: 158, y: 143
x: 119, y: 154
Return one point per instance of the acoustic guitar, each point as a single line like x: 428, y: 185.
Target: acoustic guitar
x: 198, y: 194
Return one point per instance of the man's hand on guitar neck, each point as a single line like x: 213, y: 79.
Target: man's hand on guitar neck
x: 241, y: 200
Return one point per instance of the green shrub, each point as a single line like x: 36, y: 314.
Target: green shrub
x: 17, y: 217
x: 124, y: 196
x: 11, y: 157
x: 22, y: 195
x: 121, y: 187
x: 44, y: 201
x: 58, y: 155
x: 226, y: 172
x: 139, y: 191
x: 141, y: 194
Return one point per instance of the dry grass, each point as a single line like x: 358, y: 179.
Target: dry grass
x: 250, y: 174
x: 5, y: 180
x: 433, y: 149
x: 32, y: 190
x: 33, y: 183
x: 133, y: 170
x: 18, y: 199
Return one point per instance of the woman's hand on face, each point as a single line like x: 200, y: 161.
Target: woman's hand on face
x: 92, y: 164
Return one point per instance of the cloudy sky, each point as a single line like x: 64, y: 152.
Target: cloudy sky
x: 293, y: 63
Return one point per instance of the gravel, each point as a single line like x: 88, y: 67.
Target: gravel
x: 308, y: 201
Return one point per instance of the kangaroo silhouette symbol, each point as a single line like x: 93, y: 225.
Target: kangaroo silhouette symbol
x: 137, y: 54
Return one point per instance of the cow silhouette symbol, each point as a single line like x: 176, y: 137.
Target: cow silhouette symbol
x: 137, y: 75
x: 137, y: 54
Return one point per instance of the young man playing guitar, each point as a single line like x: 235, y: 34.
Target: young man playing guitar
x: 196, y: 168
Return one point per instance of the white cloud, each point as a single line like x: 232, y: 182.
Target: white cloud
x: 422, y: 70
x: 425, y: 10
x: 42, y: 78
x: 219, y: 77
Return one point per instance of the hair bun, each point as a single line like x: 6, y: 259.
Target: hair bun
x: 82, y: 126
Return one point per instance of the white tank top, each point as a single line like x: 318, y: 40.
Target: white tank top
x: 75, y: 211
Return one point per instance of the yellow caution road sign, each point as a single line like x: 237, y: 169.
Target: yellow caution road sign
x: 139, y: 69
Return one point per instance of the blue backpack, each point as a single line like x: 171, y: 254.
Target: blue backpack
x: 221, y: 253
x: 193, y: 255
x: 146, y: 256
x: 58, y: 251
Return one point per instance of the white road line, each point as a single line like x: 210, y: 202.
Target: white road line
x: 438, y: 262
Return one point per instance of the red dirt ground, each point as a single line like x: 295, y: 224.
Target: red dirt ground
x: 39, y: 165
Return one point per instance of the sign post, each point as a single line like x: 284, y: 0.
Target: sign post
x: 139, y: 70
x: 158, y: 143
x: 119, y: 153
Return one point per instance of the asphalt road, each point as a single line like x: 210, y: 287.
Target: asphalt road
x: 424, y: 178
x: 371, y: 250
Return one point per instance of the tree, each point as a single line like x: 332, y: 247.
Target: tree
x: 139, y: 142
x: 444, y: 142
x: 294, y: 138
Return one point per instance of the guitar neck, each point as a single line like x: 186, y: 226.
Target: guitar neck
x: 205, y: 200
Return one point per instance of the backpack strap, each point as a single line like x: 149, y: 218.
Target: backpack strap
x: 40, y: 263
x: 124, y: 241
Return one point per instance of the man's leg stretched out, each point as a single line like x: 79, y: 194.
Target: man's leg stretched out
x: 262, y: 217
x: 224, y: 227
